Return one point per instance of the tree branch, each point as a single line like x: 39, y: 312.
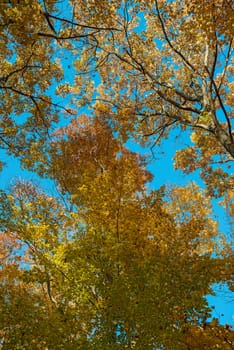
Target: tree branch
x: 33, y: 98
x: 226, y: 64
x: 79, y: 24
x: 69, y: 37
x: 221, y: 105
x: 22, y: 69
x: 188, y: 64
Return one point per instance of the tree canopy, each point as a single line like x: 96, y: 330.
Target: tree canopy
x: 149, y: 68
x: 121, y: 268
x: 108, y: 262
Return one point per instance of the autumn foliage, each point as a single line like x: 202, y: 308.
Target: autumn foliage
x: 107, y: 262
x: 88, y: 275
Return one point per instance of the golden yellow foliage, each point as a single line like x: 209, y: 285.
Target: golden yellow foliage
x: 114, y: 266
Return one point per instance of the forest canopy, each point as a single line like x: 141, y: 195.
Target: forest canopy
x: 108, y: 262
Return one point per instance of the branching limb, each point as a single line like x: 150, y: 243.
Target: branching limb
x: 85, y: 26
x: 48, y: 285
x: 68, y: 37
x: 227, y: 58
x: 179, y: 53
x: 221, y: 105
x: 33, y: 98
x: 21, y: 69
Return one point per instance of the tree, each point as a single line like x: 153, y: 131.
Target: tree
x: 160, y: 66
x: 103, y: 273
x: 87, y: 266
x: 28, y: 69
x: 210, y: 336
x: 35, y: 40
x: 177, y: 62
x: 168, y: 66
